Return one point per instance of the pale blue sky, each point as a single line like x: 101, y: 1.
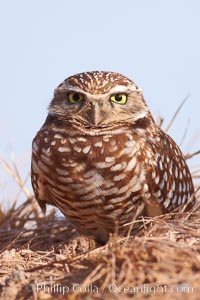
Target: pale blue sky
x: 154, y: 42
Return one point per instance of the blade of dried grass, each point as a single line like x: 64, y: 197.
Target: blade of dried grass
x: 96, y: 274
x: 188, y: 156
x: 12, y: 242
x: 15, y: 175
x: 185, y: 133
x: 20, y: 191
x: 132, y: 223
x: 15, y: 165
x: 160, y: 121
x: 176, y: 113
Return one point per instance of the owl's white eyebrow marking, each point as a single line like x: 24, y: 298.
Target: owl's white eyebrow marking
x: 122, y: 89
x: 70, y: 88
x: 116, y: 89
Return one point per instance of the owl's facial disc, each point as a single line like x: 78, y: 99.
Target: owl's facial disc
x: 104, y: 110
x: 98, y: 100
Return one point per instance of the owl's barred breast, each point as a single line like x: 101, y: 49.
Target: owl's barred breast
x: 98, y: 182
x: 94, y: 180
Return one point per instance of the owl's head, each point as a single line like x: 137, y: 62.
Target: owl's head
x: 98, y: 100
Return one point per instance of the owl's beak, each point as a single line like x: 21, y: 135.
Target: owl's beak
x: 94, y: 114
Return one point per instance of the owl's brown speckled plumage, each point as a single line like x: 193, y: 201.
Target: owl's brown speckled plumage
x: 100, y: 155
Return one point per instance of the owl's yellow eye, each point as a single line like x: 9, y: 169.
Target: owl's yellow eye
x: 75, y: 97
x: 119, y: 98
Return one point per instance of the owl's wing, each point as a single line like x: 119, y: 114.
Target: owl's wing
x: 168, y: 180
x: 40, y: 187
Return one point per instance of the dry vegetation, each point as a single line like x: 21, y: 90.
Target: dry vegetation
x: 43, y: 257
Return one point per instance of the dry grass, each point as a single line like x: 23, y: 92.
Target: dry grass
x: 43, y: 257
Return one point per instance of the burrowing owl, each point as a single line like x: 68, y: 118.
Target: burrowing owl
x: 100, y: 155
